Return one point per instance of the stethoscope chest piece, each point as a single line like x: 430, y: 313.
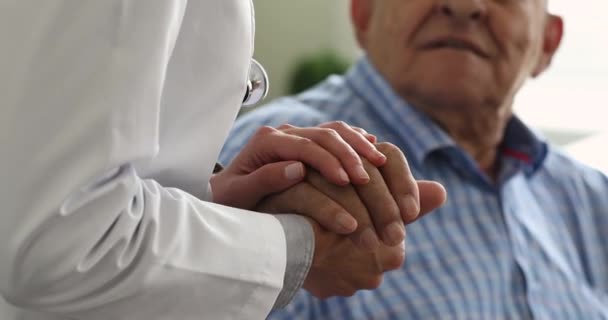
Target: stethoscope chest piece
x: 257, y: 84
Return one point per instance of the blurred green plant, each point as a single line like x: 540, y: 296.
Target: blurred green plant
x: 312, y: 69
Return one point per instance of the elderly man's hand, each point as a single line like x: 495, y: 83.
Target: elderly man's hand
x: 381, y: 207
x: 340, y: 268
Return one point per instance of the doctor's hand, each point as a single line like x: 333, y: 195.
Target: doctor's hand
x: 381, y: 207
x: 273, y: 160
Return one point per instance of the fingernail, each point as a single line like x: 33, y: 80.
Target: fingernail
x: 343, y: 175
x: 411, y: 207
x: 369, y: 239
x: 294, y: 171
x: 362, y: 174
x: 346, y: 222
x: 394, y: 233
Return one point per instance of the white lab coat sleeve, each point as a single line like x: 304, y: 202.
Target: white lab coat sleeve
x: 82, y: 236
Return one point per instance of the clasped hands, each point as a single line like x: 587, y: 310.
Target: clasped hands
x: 357, y: 194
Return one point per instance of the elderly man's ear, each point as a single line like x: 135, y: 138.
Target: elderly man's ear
x: 360, y: 11
x: 554, y: 31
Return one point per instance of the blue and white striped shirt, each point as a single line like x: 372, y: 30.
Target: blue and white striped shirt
x: 532, y: 246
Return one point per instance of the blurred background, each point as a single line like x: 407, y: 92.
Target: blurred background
x: 300, y: 42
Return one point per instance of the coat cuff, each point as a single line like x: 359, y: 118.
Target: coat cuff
x: 300, y: 250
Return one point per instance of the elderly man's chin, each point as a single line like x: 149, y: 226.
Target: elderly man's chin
x: 455, y: 98
x: 453, y: 83
x: 445, y: 93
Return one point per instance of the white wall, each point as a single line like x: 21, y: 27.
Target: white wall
x: 289, y: 29
x: 573, y: 94
x: 591, y: 151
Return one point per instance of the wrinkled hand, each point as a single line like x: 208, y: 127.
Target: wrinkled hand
x: 381, y: 207
x: 273, y: 160
x: 340, y: 268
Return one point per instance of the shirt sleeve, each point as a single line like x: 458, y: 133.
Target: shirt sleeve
x: 300, y: 251
x: 82, y: 234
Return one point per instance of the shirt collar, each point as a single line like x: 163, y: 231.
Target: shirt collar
x: 420, y: 135
x: 523, y: 144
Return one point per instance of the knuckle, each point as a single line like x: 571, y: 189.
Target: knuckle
x: 387, y: 148
x: 327, y: 208
x: 263, y: 131
x: 341, y: 124
x: 337, y: 125
x: 359, y: 129
x: 330, y: 133
x: 351, y: 157
x: 305, y: 143
x: 285, y: 126
x: 391, y: 151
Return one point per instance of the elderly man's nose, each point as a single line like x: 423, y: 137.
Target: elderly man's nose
x: 462, y: 10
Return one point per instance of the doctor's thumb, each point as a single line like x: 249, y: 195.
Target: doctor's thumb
x: 248, y: 190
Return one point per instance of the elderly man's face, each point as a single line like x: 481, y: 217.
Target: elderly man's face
x: 457, y: 52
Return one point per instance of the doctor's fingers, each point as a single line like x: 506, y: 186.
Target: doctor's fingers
x: 370, y: 137
x: 271, y: 145
x: 246, y: 191
x: 353, y: 135
x: 306, y: 200
x: 346, y: 144
x: 357, y: 138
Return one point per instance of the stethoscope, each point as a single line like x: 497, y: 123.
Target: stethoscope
x: 257, y: 84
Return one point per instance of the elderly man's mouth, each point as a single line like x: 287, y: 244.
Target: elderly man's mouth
x: 456, y: 44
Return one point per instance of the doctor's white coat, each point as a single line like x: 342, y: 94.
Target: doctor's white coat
x: 112, y: 114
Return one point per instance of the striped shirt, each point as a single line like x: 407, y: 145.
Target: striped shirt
x: 533, y: 245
